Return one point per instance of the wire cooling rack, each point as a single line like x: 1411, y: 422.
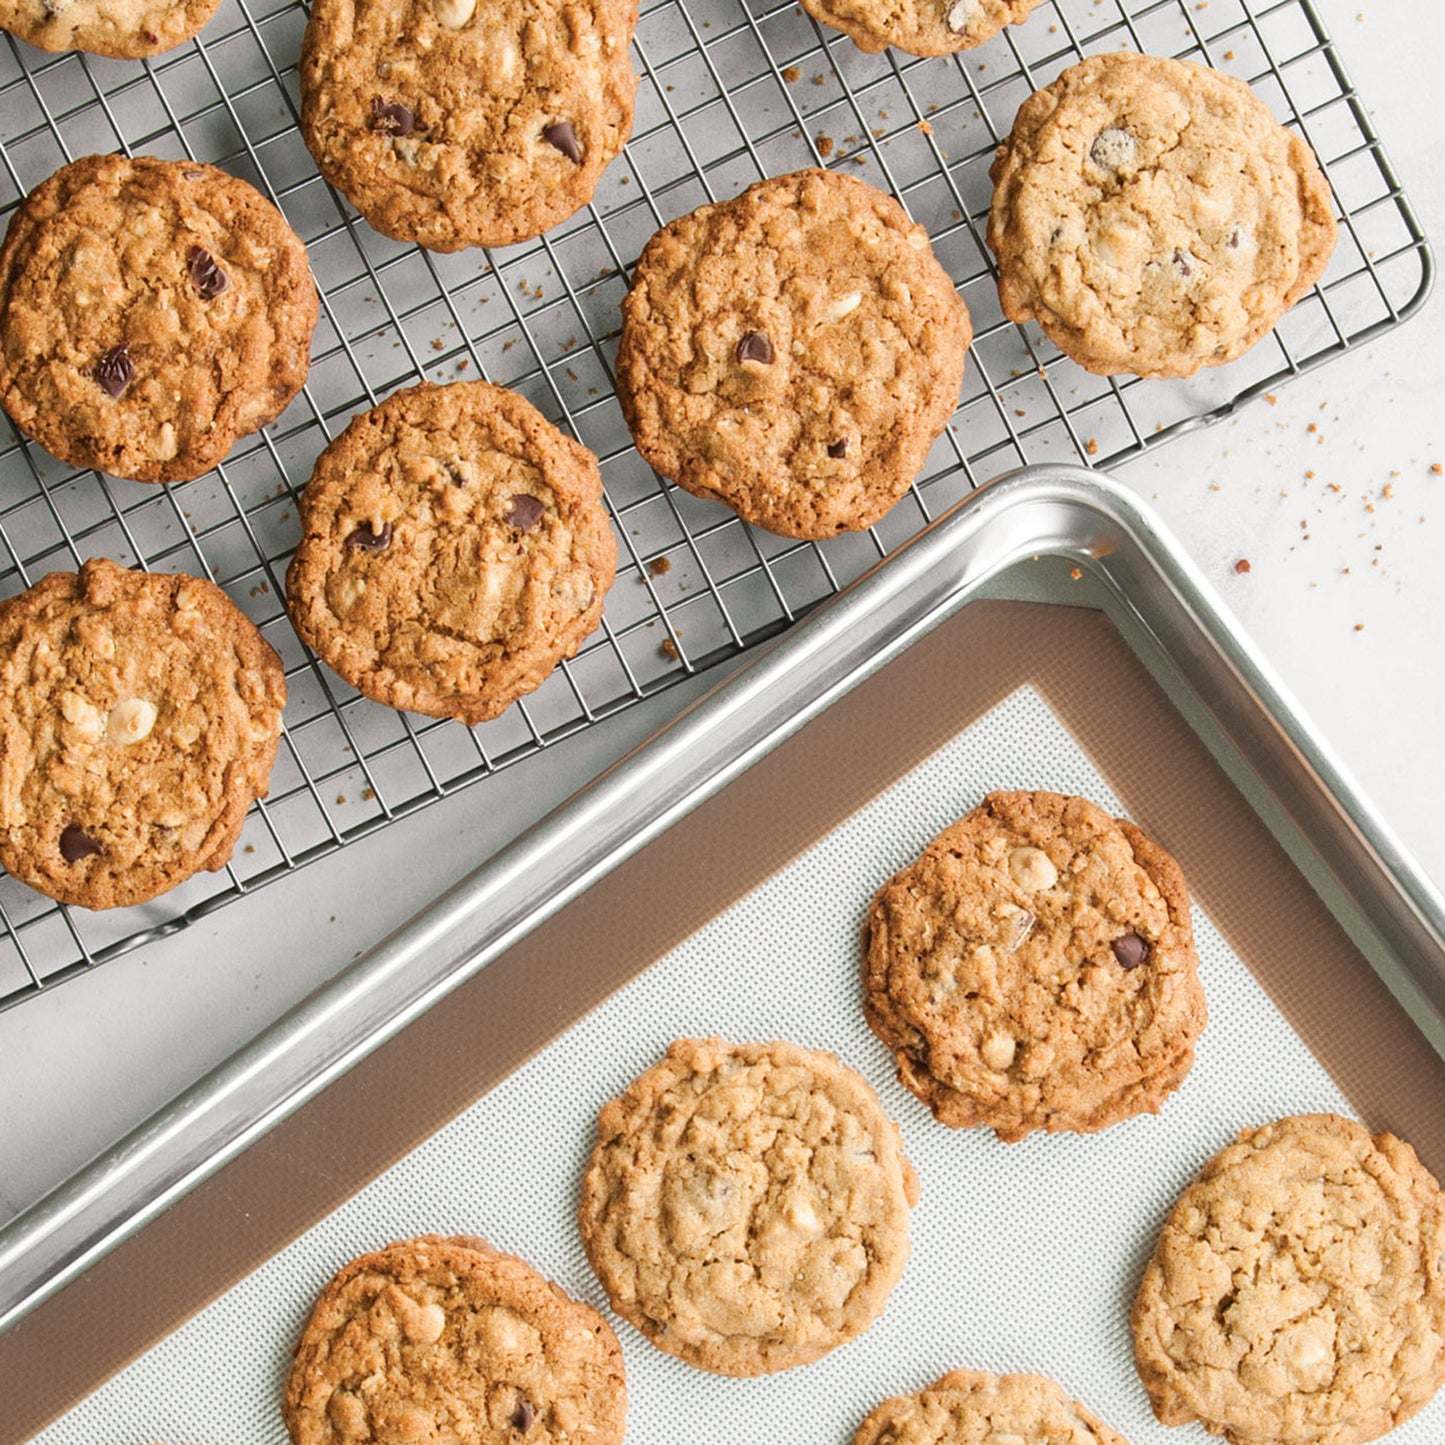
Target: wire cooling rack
x: 731, y: 91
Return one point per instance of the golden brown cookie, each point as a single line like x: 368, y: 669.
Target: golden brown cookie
x: 921, y: 27
x: 1297, y: 1292
x: 139, y: 717
x: 456, y: 124
x: 793, y: 352
x: 1035, y: 969
x: 967, y: 1407
x: 746, y: 1206
x: 151, y: 312
x: 447, y: 1340
x: 1154, y: 217
x: 455, y: 548
x: 122, y: 29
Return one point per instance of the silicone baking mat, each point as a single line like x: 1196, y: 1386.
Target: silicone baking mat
x: 731, y: 91
x: 1024, y: 1257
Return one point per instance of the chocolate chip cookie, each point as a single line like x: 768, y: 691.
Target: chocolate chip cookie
x: 921, y: 27
x: 151, y: 312
x: 455, y: 549
x: 793, y: 352
x: 1297, y: 1292
x: 454, y: 124
x: 139, y: 717
x: 437, y: 1339
x: 967, y: 1407
x: 1035, y: 969
x: 1154, y: 217
x: 122, y: 29
x: 746, y: 1206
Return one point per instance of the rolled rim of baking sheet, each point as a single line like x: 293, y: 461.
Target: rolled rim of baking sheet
x: 1158, y: 595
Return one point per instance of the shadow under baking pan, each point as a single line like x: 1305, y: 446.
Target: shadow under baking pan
x: 1073, y: 660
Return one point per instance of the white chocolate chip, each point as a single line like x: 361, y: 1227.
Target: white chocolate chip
x: 185, y: 733
x: 1114, y: 149
x: 802, y: 1216
x: 349, y: 591
x: 961, y: 14
x: 424, y: 1325
x: 918, y: 239
x: 998, y: 1051
x: 453, y: 14
x: 841, y: 306
x: 130, y: 721
x: 1031, y: 869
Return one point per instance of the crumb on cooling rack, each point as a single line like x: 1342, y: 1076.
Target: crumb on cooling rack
x: 1242, y: 566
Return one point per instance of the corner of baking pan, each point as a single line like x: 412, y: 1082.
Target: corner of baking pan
x: 1038, y: 511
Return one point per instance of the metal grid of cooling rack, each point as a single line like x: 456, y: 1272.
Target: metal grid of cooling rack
x: 731, y: 91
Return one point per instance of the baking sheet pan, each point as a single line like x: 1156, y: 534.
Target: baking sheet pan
x: 966, y: 654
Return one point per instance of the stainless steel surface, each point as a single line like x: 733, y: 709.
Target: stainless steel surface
x: 730, y: 91
x: 1160, y: 601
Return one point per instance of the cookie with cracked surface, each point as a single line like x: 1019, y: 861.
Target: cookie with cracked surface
x: 121, y: 29
x: 793, y: 352
x: 139, y: 717
x: 1035, y: 969
x: 151, y: 313
x: 448, y: 1339
x: 456, y: 125
x: 920, y: 27
x: 1154, y: 217
x: 455, y: 548
x: 746, y: 1206
x: 968, y: 1407
x: 1297, y: 1291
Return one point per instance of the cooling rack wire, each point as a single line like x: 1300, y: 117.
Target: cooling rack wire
x: 730, y: 91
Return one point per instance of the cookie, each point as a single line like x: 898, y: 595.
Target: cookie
x: 1153, y: 216
x: 746, y: 1206
x: 1297, y: 1291
x: 455, y: 549
x: 921, y: 27
x: 967, y: 1407
x: 438, y: 1339
x: 456, y: 125
x: 151, y: 312
x: 139, y: 716
x: 121, y: 29
x: 1035, y: 969
x: 793, y: 352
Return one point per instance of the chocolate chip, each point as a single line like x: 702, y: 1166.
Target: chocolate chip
x: 524, y: 512
x: 1130, y: 950
x: 391, y: 119
x: 365, y: 539
x: 839, y: 449
x: 561, y: 135
x: 523, y: 1415
x: 194, y: 175
x: 756, y: 347
x: 206, y: 276
x: 114, y: 371
x: 76, y: 843
x: 1235, y: 237
x: 1181, y: 263
x: 1113, y: 149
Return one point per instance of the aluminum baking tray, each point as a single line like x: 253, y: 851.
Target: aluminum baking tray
x: 730, y: 91
x: 1059, y: 534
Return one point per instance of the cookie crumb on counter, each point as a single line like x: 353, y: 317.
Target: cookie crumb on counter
x: 791, y: 73
x: 1242, y: 566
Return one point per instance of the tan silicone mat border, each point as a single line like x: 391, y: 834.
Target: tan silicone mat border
x: 414, y: 1084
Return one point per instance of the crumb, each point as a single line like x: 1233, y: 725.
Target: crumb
x: 340, y: 798
x: 659, y: 566
x: 792, y: 73
x: 1092, y: 447
x: 437, y: 344
x: 1271, y: 398
x: 1436, y: 469
x: 367, y: 794
x: 1076, y: 572
x: 817, y: 80
x: 463, y: 364
x: 1388, y: 491
x: 825, y: 146
x: 1242, y: 566
x: 669, y: 648
x: 924, y: 126
x: 1359, y: 627
x: 249, y: 848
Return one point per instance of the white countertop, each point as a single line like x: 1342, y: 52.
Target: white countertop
x: 1345, y: 595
